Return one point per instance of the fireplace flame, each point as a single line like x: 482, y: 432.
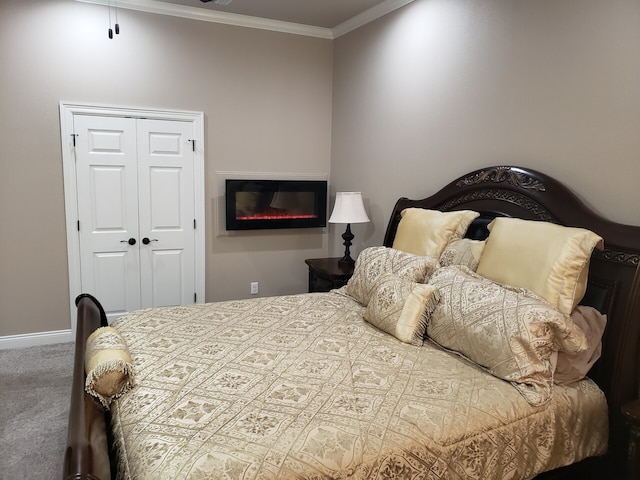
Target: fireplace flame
x: 276, y: 216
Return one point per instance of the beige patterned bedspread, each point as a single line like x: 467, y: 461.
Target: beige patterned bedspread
x: 302, y: 387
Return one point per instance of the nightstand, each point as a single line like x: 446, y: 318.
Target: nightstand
x: 325, y: 274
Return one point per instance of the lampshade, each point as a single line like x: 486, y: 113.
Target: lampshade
x: 348, y: 209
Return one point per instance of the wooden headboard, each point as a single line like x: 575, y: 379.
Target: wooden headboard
x: 614, y: 274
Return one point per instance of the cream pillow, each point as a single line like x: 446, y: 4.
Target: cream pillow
x: 552, y: 260
x: 401, y: 307
x: 427, y: 232
x: 464, y: 251
x: 107, y: 365
x: 572, y: 367
x: 511, y: 332
x: 374, y: 261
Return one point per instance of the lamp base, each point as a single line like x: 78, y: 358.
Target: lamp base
x: 346, y: 262
x: 347, y: 236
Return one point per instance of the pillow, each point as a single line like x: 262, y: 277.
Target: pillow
x: 401, y: 307
x: 427, y: 232
x: 510, y: 331
x: 572, y: 367
x: 552, y: 260
x: 465, y: 252
x: 107, y: 365
x: 374, y: 261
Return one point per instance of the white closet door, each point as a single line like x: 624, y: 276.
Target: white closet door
x: 107, y: 176
x: 167, y: 212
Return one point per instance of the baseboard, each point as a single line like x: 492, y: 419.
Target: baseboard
x: 33, y: 339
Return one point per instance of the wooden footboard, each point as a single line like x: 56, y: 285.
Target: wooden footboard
x: 87, y: 452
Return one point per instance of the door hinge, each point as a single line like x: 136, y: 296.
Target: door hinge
x: 195, y: 298
x: 74, y: 135
x: 78, y: 225
x: 193, y: 144
x: 194, y: 223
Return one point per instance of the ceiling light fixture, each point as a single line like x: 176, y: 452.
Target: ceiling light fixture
x: 117, y: 25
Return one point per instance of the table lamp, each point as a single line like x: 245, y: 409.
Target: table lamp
x: 348, y: 209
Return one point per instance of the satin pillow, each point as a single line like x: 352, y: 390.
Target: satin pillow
x: 427, y: 232
x: 552, y: 260
x: 571, y: 368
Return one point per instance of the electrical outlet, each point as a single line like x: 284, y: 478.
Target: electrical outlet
x: 254, y: 288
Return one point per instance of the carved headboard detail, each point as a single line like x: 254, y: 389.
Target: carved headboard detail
x: 502, y: 174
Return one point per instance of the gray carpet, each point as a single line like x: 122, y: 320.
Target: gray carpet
x: 35, y: 387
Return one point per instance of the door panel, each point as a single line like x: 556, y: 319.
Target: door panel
x: 108, y: 198
x: 167, y: 212
x: 108, y: 211
x: 109, y: 270
x: 167, y: 288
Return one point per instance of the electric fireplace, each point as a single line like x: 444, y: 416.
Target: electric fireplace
x: 261, y: 204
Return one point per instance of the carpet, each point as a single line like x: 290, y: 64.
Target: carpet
x: 35, y: 388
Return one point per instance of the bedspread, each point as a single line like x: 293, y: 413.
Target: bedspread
x: 302, y: 387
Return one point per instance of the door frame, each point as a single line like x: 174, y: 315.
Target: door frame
x: 67, y: 112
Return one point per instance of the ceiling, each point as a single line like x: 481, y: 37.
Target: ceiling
x: 315, y: 18
x: 317, y: 13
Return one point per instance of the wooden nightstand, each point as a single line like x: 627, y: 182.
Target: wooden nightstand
x: 325, y: 274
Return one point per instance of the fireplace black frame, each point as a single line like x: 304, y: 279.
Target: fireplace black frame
x: 314, y: 216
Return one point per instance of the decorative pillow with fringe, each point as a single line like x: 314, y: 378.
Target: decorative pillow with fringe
x: 108, y: 366
x: 375, y: 261
x: 401, y: 307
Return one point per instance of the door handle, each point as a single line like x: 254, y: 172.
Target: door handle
x: 146, y: 240
x: 131, y: 241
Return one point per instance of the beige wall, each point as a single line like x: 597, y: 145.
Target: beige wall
x: 267, y: 103
x: 419, y: 97
x: 441, y: 87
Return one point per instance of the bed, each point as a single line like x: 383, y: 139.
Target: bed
x: 309, y: 386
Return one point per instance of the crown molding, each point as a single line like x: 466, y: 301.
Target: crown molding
x: 195, y: 13
x: 202, y: 14
x: 367, y: 16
